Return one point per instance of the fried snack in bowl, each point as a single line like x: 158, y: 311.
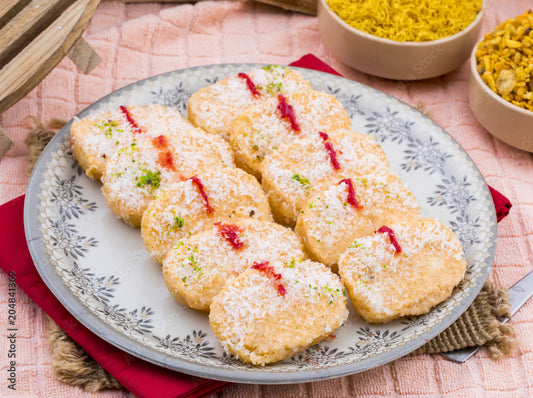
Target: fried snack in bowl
x: 500, y: 87
x: 419, y: 57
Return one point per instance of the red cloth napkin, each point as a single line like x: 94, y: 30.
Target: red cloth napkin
x: 309, y: 61
x: 501, y: 204
x: 143, y: 379
x: 140, y: 377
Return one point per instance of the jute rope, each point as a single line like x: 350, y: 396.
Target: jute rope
x: 478, y: 326
x: 39, y: 137
x: 72, y: 365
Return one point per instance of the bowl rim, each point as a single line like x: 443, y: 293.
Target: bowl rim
x: 474, y: 74
x: 406, y: 44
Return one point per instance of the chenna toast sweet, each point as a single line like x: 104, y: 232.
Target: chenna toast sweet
x: 403, y: 269
x: 352, y: 207
x: 196, y: 268
x: 261, y: 129
x: 274, y: 310
x: 293, y: 172
x: 214, y: 107
x: 95, y: 138
x: 195, y: 204
x: 133, y: 175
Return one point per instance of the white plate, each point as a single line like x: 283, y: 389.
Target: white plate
x: 99, y: 269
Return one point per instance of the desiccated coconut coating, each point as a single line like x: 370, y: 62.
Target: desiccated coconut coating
x: 133, y: 175
x: 214, y: 107
x: 260, y: 129
x: 274, y: 310
x: 196, y: 268
x: 293, y: 172
x: 384, y: 284
x: 191, y: 206
x: 329, y: 222
x: 96, y: 137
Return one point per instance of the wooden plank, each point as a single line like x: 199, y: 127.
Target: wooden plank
x: 303, y: 6
x: 27, y: 25
x: 152, y: 1
x: 30, y: 66
x: 10, y: 8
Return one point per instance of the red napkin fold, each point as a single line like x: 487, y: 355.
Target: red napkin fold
x: 501, y: 204
x: 309, y: 61
x: 142, y: 378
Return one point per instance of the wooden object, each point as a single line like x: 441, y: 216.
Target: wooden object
x: 304, y: 6
x: 35, y: 35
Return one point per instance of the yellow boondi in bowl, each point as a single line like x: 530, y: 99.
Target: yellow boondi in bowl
x: 407, y: 20
x: 411, y: 52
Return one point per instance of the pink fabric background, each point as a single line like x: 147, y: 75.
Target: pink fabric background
x: 139, y: 40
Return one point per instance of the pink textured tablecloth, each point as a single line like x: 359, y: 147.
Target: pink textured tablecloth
x: 140, y: 40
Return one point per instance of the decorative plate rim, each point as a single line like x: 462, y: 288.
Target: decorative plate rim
x: 97, y: 325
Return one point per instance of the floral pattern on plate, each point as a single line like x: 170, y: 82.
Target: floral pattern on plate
x: 107, y: 271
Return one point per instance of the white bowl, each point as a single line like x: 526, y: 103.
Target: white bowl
x: 392, y: 59
x: 507, y: 122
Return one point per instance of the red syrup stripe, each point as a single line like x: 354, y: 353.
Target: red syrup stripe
x: 131, y: 121
x: 386, y: 230
x: 287, y: 112
x: 352, y: 200
x: 250, y: 84
x: 230, y: 233
x: 269, y: 271
x: 331, y: 152
x: 164, y: 157
x: 196, y: 181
